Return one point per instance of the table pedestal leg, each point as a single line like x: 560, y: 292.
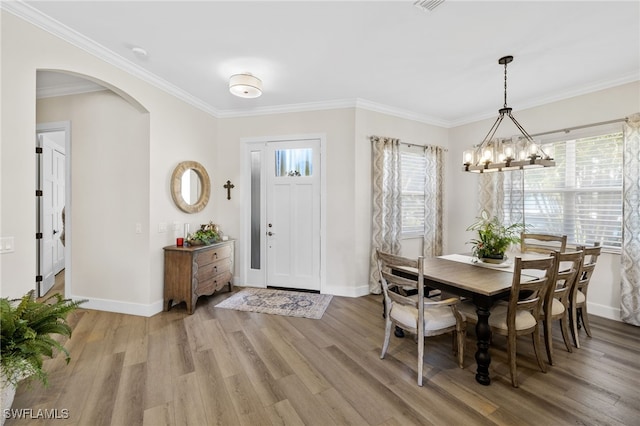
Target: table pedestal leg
x: 483, y: 334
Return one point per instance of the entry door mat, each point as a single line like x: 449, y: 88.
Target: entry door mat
x: 278, y: 302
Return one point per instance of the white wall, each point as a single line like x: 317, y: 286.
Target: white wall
x: 338, y: 128
x: 604, y: 105
x: 348, y: 168
x: 109, y: 150
x: 176, y: 132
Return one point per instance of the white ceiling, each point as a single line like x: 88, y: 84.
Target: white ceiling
x: 440, y: 67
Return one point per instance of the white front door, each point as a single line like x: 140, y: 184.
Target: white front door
x: 293, y: 214
x: 52, y: 183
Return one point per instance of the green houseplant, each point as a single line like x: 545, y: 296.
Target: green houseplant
x: 206, y: 235
x: 494, y: 237
x: 27, y: 333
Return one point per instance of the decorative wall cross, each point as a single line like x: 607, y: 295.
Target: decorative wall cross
x: 228, y: 187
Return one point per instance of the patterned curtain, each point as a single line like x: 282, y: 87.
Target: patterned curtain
x: 630, y: 274
x: 387, y: 217
x: 491, y: 193
x: 501, y: 194
x: 433, y: 190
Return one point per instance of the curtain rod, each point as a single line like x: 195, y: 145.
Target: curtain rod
x: 585, y: 126
x: 417, y: 145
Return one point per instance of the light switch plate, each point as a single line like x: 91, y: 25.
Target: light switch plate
x: 6, y: 245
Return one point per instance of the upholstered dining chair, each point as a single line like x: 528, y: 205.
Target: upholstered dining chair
x: 578, y: 296
x: 556, y: 300
x: 542, y: 243
x: 520, y: 315
x: 415, y: 314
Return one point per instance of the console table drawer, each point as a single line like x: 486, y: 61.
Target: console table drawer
x: 209, y: 256
x: 214, y: 284
x: 208, y: 271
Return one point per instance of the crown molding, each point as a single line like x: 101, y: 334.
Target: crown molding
x: 68, y: 89
x: 336, y: 104
x: 287, y: 108
x: 58, y: 29
x: 556, y: 97
x: 401, y: 113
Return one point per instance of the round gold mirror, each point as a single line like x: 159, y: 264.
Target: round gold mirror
x: 190, y: 186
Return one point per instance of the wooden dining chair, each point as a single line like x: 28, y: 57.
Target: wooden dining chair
x: 578, y: 297
x: 556, y: 300
x: 542, y: 243
x: 520, y: 315
x: 415, y: 314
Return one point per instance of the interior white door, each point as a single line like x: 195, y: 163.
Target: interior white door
x: 293, y: 214
x: 51, y: 182
x: 59, y: 163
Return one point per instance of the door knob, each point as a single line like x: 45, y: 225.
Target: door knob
x: 270, y: 233
x: 55, y: 232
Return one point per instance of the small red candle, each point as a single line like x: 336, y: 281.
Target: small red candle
x: 180, y: 242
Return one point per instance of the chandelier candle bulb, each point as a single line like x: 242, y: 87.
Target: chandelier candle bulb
x: 467, y: 156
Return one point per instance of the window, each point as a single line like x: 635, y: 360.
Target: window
x: 582, y: 196
x: 413, y: 175
x: 294, y: 162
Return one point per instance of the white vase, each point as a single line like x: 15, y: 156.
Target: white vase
x: 8, y: 393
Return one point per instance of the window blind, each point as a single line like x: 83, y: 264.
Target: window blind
x: 413, y: 169
x: 580, y: 197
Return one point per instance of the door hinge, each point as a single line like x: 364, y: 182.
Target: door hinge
x: 38, y: 192
x: 38, y: 150
x: 38, y: 278
x: 38, y: 235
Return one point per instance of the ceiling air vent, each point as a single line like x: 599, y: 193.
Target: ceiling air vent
x: 427, y: 4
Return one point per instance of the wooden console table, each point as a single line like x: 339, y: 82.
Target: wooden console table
x: 194, y: 271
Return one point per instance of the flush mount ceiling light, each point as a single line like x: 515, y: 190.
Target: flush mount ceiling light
x: 245, y: 85
x: 508, y: 154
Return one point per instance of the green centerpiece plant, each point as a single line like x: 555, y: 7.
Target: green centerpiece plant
x: 206, y: 235
x: 494, y: 237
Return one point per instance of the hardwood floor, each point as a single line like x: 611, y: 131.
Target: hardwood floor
x: 227, y: 367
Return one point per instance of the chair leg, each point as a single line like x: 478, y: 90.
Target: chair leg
x: 420, y: 358
x: 565, y: 332
x: 537, y: 348
x: 573, y: 319
x: 548, y: 340
x: 387, y: 336
x: 511, y: 355
x: 585, y: 319
x: 461, y: 335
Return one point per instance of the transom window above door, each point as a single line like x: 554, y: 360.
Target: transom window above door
x: 294, y: 162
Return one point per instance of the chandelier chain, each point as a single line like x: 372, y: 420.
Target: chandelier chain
x: 505, y: 84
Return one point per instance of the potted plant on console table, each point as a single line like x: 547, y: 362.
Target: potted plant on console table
x: 206, y: 235
x: 494, y: 238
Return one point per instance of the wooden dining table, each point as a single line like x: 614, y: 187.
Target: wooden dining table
x: 482, y: 283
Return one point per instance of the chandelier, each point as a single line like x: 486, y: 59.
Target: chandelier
x: 498, y: 155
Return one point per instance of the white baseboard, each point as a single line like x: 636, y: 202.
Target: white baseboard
x: 604, y: 311
x: 121, y: 307
x: 344, y: 291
